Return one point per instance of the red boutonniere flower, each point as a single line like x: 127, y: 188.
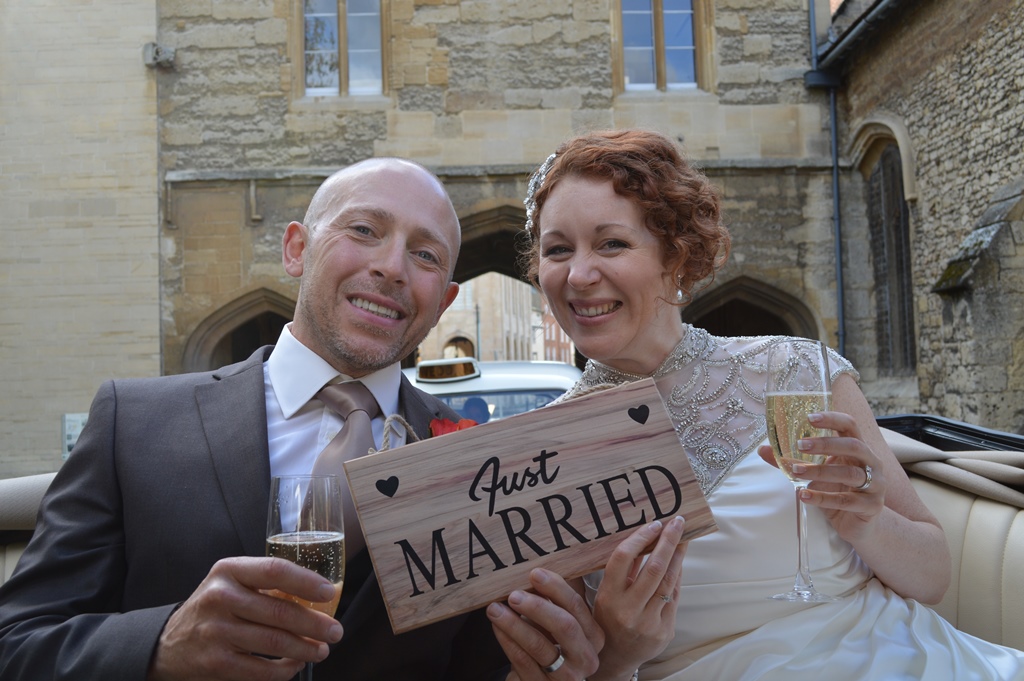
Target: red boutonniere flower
x: 445, y: 426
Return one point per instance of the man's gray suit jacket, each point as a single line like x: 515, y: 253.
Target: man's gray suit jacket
x: 170, y: 475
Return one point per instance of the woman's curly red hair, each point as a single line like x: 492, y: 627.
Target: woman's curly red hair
x: 680, y: 205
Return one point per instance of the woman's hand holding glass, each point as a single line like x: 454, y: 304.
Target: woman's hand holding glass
x: 798, y: 384
x: 812, y: 443
x: 849, y: 485
x: 885, y: 521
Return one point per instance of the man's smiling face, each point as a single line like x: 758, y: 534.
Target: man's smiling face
x: 375, y: 259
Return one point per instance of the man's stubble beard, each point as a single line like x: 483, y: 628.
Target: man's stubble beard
x: 342, y: 352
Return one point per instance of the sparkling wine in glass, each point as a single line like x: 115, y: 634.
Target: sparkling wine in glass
x: 305, y: 525
x: 798, y: 384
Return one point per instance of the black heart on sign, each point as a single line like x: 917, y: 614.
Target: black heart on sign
x: 388, y: 487
x: 639, y: 414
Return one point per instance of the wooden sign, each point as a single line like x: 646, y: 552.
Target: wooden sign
x: 455, y: 522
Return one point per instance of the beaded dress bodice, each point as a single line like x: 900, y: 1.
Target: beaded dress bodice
x: 713, y: 390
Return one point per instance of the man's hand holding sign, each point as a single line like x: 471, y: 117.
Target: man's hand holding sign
x: 558, y: 488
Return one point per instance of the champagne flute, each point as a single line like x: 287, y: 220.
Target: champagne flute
x: 305, y: 526
x: 798, y: 384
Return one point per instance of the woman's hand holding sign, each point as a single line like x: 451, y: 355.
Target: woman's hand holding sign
x: 553, y: 634
x: 549, y: 634
x: 637, y: 599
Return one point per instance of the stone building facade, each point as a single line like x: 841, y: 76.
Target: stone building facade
x: 79, y: 215
x: 481, y: 91
x: 942, y: 81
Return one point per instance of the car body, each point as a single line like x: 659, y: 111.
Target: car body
x: 505, y: 388
x: 950, y: 435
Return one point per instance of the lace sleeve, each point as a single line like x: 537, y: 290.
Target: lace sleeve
x: 840, y: 365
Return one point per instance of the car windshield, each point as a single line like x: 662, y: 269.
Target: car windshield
x: 491, y: 406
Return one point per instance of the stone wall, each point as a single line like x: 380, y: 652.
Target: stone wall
x: 471, y: 83
x: 780, y: 225
x: 221, y: 242
x: 79, y: 299
x: 480, y: 90
x: 951, y: 73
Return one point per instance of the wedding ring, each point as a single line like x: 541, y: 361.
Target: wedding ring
x: 554, y: 666
x: 867, y: 480
x: 666, y: 599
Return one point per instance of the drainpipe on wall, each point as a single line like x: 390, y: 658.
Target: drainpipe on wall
x: 818, y: 79
x: 837, y: 49
x: 479, y: 352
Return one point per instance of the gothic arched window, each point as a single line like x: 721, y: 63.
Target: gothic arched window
x: 459, y: 347
x: 888, y: 221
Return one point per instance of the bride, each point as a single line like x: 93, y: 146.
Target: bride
x: 621, y: 229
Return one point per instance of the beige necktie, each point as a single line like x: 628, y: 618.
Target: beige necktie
x: 357, y: 405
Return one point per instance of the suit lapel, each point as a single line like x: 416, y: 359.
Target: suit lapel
x: 415, y: 411
x: 233, y: 411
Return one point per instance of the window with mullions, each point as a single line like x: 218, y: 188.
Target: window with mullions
x: 342, y: 47
x: 888, y: 221
x: 658, y: 45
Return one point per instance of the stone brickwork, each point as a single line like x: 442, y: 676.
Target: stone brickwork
x: 481, y: 91
x: 471, y: 83
x: 218, y: 246
x: 79, y: 300
x: 951, y: 72
x: 779, y: 222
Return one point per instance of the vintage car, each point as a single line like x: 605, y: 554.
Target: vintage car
x: 488, y: 391
x: 981, y: 512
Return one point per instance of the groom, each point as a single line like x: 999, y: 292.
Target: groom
x: 147, y: 559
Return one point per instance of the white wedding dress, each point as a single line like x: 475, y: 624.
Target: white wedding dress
x: 727, y: 629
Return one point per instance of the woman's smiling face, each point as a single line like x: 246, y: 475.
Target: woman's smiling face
x: 604, y: 276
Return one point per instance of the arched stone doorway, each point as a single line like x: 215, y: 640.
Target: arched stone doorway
x: 742, y: 318
x: 746, y: 307
x: 245, y: 339
x: 459, y: 346
x: 233, y: 332
x: 489, y: 243
x: 237, y: 329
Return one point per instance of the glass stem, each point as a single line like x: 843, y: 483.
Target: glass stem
x: 307, y: 672
x: 803, y: 581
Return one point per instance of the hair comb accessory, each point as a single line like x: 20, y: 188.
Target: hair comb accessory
x: 536, y: 180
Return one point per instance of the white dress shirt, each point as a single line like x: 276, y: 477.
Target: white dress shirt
x: 298, y: 424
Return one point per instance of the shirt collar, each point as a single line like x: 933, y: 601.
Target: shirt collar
x: 297, y: 374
